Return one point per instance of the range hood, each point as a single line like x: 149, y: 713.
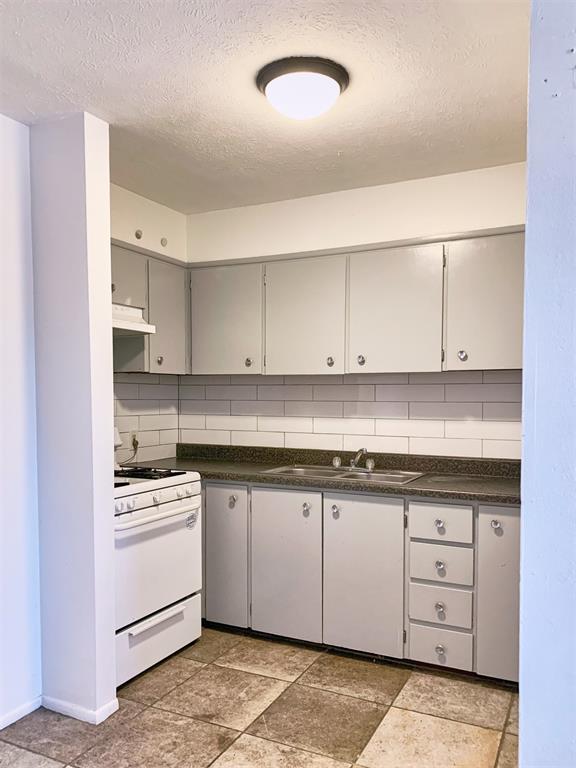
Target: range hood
x: 129, y: 321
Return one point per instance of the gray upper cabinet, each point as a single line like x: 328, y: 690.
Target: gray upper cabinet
x: 484, y: 303
x: 168, y: 311
x: 226, y: 317
x: 395, y: 310
x: 129, y: 277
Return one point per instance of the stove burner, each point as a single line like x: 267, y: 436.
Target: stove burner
x: 147, y: 473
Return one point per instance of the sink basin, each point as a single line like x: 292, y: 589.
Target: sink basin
x: 306, y: 471
x: 399, y: 477
x: 391, y: 477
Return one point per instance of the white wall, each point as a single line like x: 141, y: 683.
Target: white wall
x: 71, y: 235
x: 459, y: 202
x: 548, y: 562
x: 20, y: 680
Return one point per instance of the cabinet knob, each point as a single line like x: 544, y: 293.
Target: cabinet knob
x: 248, y: 362
x: 160, y: 359
x: 462, y: 355
x: 440, y: 565
x: 440, y: 607
x: 163, y: 242
x: 306, y: 509
x: 439, y: 524
x: 138, y: 234
x: 361, y: 360
x: 113, y: 287
x: 440, y: 650
x: 329, y: 362
x: 335, y: 511
x: 233, y: 499
x: 496, y: 524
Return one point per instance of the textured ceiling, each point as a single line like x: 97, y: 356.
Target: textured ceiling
x: 437, y: 86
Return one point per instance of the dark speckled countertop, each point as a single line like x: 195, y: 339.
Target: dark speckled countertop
x: 488, y: 481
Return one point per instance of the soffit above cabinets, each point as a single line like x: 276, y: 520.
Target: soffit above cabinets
x: 436, y: 87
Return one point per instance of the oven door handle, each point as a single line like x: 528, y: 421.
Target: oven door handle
x: 156, y: 518
x: 146, y: 625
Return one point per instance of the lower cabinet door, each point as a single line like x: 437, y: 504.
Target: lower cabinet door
x: 226, y: 553
x: 287, y: 563
x: 497, y: 620
x: 364, y: 573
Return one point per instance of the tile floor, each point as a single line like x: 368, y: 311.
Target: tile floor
x: 230, y: 701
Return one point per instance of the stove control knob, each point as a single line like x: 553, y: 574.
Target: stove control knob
x: 131, y: 504
x: 156, y: 498
x: 119, y: 506
x: 189, y: 490
x: 180, y: 493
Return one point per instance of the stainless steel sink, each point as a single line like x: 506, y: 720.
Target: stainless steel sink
x: 306, y: 471
x: 390, y: 477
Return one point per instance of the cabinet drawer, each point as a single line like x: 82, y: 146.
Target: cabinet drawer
x: 441, y: 605
x: 441, y: 646
x: 153, y: 639
x: 438, y: 562
x: 442, y: 522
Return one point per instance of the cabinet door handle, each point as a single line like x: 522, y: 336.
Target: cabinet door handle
x: 160, y: 359
x: 329, y: 362
x: 496, y: 525
x: 163, y: 242
x: 462, y: 355
x: 335, y: 511
x: 306, y: 507
x: 248, y: 362
x: 138, y: 234
x: 233, y: 499
x: 113, y: 287
x: 361, y: 360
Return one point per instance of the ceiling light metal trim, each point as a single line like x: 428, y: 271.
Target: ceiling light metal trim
x: 292, y: 64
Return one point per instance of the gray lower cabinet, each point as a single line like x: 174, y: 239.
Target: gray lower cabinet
x: 287, y: 563
x: 497, y: 630
x: 129, y: 277
x: 168, y: 311
x: 226, y: 553
x: 364, y: 573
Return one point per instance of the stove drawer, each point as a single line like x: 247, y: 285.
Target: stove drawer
x: 148, y: 642
x: 441, y: 646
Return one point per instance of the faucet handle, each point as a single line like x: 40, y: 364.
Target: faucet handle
x: 336, y: 462
x: 370, y: 464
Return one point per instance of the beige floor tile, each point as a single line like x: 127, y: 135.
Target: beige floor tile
x: 224, y: 696
x: 157, y: 739
x: 320, y: 721
x: 251, y: 752
x: 266, y: 657
x: 412, y: 740
x: 512, y: 724
x: 211, y: 645
x: 15, y: 757
x: 151, y: 686
x: 508, y: 757
x: 455, y: 699
x: 63, y: 738
x: 356, y: 677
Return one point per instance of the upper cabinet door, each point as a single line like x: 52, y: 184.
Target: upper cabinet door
x: 168, y: 311
x: 305, y: 315
x: 227, y: 319
x: 129, y: 277
x: 484, y: 303
x: 395, y: 310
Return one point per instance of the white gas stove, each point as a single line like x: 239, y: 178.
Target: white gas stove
x: 158, y: 538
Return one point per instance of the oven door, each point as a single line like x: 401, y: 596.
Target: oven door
x: 158, y: 558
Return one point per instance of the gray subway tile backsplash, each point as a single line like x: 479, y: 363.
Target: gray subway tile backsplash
x: 460, y: 413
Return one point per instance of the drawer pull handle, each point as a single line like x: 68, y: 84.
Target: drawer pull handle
x: 144, y: 627
x: 335, y: 511
x: 361, y: 360
x: 329, y: 362
x: 138, y: 234
x: 306, y: 509
x: 496, y: 524
x: 440, y: 650
x: 233, y: 499
x: 440, y: 607
x: 440, y: 565
x: 248, y: 362
x: 439, y: 524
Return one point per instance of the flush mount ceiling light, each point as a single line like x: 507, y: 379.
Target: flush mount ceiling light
x: 302, y: 87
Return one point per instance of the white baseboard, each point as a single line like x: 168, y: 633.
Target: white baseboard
x: 94, y: 716
x: 24, y: 709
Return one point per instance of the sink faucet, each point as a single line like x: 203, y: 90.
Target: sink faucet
x: 356, y: 459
